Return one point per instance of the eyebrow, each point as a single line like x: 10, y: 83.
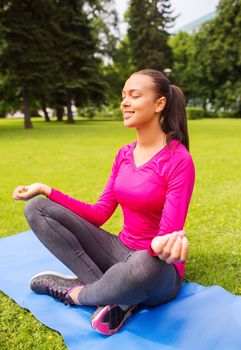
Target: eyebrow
x: 132, y: 90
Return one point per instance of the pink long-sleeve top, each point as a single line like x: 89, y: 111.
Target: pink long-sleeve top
x: 154, y: 197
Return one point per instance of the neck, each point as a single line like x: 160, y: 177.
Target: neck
x: 150, y: 136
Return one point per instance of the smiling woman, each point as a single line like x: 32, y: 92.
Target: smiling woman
x: 152, y: 180
x: 139, y: 102
x: 150, y: 102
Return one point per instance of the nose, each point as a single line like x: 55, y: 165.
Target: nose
x: 125, y: 101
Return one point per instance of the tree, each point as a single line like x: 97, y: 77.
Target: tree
x: 84, y: 39
x: 183, y: 48
x: 52, y: 52
x: 207, y: 64
x: 26, y: 57
x: 148, y: 24
x: 104, y: 18
x: 225, y: 50
x: 219, y: 65
x: 117, y: 72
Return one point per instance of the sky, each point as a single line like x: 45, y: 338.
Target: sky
x: 189, y: 10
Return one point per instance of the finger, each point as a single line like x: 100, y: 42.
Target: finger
x: 176, y: 251
x: 167, y: 249
x: 20, y: 193
x: 15, y: 194
x: 23, y: 189
x: 181, y: 233
x: 18, y: 196
x: 158, y: 243
x: 184, y: 252
x: 19, y: 189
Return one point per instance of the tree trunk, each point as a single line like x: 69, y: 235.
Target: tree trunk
x: 46, y: 116
x: 70, y: 119
x: 59, y: 113
x: 27, y: 119
x: 204, y: 105
x: 239, y: 106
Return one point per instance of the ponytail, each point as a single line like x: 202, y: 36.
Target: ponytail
x: 173, y: 119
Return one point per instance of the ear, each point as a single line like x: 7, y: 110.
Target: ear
x: 160, y: 104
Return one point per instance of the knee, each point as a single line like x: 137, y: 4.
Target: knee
x: 143, y: 268
x: 34, y: 206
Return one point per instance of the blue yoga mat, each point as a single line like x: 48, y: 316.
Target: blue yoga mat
x: 205, y: 318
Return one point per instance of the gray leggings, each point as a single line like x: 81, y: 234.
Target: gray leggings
x: 111, y: 272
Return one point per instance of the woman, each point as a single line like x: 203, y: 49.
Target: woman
x: 152, y: 179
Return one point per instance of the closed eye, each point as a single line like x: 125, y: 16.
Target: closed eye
x: 133, y: 96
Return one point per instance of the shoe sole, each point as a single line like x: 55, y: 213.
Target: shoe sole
x: 58, y: 274
x: 103, y: 328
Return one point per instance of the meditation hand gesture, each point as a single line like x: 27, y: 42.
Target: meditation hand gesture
x: 27, y: 192
x: 171, y: 247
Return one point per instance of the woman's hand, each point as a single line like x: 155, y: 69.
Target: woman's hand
x: 27, y: 192
x: 171, y: 247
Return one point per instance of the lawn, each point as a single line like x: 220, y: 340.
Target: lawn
x: 77, y: 159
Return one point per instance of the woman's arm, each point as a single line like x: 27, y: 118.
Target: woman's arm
x: 97, y: 213
x: 171, y: 244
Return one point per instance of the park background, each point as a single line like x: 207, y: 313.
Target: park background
x: 62, y: 67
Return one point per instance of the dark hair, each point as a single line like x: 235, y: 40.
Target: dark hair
x: 173, y: 119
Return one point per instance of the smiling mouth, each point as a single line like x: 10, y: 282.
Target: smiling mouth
x: 128, y: 114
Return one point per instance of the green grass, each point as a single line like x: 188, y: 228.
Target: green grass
x: 77, y: 159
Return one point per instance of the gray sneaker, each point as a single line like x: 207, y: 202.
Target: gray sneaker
x: 55, y: 284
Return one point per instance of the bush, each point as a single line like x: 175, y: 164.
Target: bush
x: 110, y: 112
x: 227, y: 114
x: 87, y: 112
x: 211, y: 114
x: 195, y: 112
x: 117, y: 113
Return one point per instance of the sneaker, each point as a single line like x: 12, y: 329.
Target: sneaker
x: 55, y: 284
x: 110, y: 318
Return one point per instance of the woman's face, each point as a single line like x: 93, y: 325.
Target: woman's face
x: 139, y: 102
